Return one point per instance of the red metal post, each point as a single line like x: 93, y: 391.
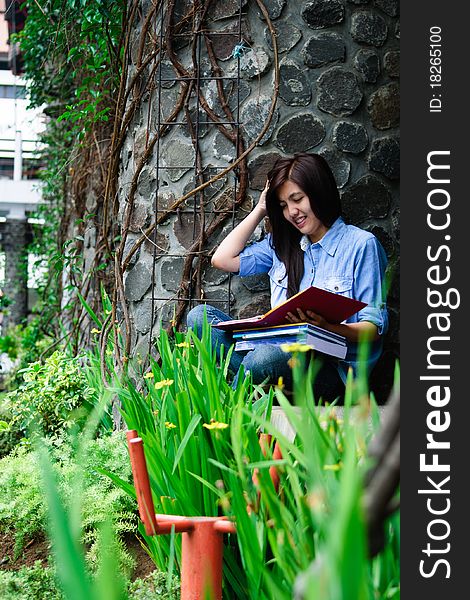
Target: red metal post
x: 202, y: 559
x: 202, y: 541
x: 142, y: 486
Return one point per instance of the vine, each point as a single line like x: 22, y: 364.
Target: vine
x: 96, y: 68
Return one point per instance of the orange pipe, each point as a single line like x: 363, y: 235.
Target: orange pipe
x: 142, y: 486
x: 225, y: 526
x: 201, y: 561
x: 179, y: 525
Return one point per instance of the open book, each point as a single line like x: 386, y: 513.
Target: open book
x: 333, y: 307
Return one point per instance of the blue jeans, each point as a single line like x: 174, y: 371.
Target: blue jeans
x: 266, y: 363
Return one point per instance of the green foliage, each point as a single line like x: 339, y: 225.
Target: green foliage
x: 53, y: 397
x: 72, y: 61
x: 40, y: 583
x: 183, y: 414
x: 71, y: 56
x: 316, y: 523
x: 22, y: 504
x: 154, y: 586
x: 23, y: 344
x: 29, y: 583
x: 202, y: 448
x: 74, y: 576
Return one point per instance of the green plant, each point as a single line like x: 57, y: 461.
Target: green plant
x: 202, y: 447
x: 65, y: 529
x: 22, y: 505
x: 182, y: 409
x: 53, y: 396
x: 316, y: 523
x: 30, y: 583
x: 23, y: 344
x: 73, y: 53
x: 154, y: 586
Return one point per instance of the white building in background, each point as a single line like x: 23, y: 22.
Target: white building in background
x: 19, y: 131
x: 20, y: 191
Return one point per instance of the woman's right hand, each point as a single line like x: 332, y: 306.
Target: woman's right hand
x: 261, y: 206
x: 226, y: 256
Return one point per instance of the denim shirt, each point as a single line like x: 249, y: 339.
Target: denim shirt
x: 347, y: 261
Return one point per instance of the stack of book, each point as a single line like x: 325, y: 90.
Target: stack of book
x: 274, y: 327
x: 317, y: 338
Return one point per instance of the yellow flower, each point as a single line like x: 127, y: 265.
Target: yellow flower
x: 280, y: 383
x: 335, y: 467
x: 183, y: 345
x: 169, y: 425
x: 149, y: 375
x: 94, y: 330
x: 295, y: 347
x: 215, y: 425
x: 164, y: 383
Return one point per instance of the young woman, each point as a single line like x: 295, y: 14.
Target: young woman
x: 309, y: 245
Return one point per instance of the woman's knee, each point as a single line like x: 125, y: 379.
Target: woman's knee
x: 266, y: 361
x: 195, y: 317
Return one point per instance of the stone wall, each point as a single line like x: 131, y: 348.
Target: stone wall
x: 338, y: 96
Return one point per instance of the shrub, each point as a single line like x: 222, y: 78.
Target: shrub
x: 154, y: 586
x: 29, y: 583
x: 22, y: 505
x: 53, y: 396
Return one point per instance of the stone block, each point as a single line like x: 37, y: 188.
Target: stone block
x: 365, y: 199
x: 294, y: 87
x: 171, y: 272
x: 323, y: 49
x: 338, y: 164
x: 138, y: 281
x: 350, y: 137
x: 323, y: 13
x: 384, y: 157
x: 300, y: 133
x: 254, y: 114
x: 259, y: 167
x: 384, y: 107
x: 178, y: 156
x: 287, y: 36
x: 254, y: 62
x: 389, y: 7
x: 339, y: 92
x: 392, y: 63
x: 369, y: 28
x: 367, y: 63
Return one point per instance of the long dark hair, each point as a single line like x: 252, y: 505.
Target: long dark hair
x: 313, y: 175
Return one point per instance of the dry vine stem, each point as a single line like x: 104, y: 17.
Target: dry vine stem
x: 133, y: 88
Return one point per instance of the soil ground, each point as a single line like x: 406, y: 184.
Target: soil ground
x: 38, y: 549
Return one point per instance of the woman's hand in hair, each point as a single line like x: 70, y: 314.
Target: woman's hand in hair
x: 226, y: 256
x: 261, y: 206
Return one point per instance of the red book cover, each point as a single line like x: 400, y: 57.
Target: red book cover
x: 332, y: 307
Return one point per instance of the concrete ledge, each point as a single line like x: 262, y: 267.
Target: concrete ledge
x: 282, y: 423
